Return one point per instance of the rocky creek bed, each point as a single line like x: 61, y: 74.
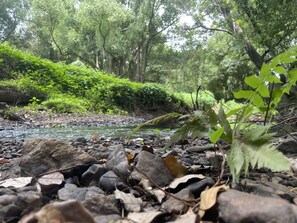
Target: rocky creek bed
x: 118, y: 180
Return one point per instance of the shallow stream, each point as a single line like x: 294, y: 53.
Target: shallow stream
x: 67, y: 133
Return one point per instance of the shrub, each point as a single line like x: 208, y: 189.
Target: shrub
x: 66, y: 104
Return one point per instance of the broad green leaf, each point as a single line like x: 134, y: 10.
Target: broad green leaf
x: 216, y: 135
x: 263, y: 91
x: 253, y: 81
x: 233, y: 112
x: 273, y: 79
x: 276, y: 60
x: 224, y: 122
x: 292, y: 76
x: 257, y: 101
x: 280, y: 70
x: 244, y: 94
x: 288, y: 60
x: 265, y: 70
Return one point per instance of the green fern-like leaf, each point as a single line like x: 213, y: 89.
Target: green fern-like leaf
x: 155, y: 121
x: 254, y: 149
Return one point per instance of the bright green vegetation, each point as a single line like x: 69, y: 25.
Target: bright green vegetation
x: 251, y: 144
x: 72, y: 89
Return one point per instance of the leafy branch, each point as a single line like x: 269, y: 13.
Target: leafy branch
x: 251, y: 144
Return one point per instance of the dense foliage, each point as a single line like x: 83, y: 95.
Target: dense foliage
x: 69, y: 88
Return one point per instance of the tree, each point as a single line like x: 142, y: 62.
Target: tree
x: 263, y: 27
x: 12, y: 12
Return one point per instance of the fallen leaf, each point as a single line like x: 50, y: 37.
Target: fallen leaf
x: 3, y: 160
x: 131, y: 157
x: 60, y: 212
x: 174, y: 184
x: 175, y: 168
x: 189, y: 217
x: 16, y: 182
x: 143, y: 217
x: 209, y: 198
x: 148, y: 187
x: 131, y: 203
x: 95, y: 138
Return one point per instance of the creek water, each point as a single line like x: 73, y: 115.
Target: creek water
x: 67, y: 132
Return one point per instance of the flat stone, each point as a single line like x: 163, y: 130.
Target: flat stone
x: 288, y: 145
x: 239, y: 207
x: 173, y: 205
x: 72, y: 192
x: 44, y: 155
x: 93, y: 173
x: 110, y: 181
x: 153, y: 166
x: 117, y: 161
x: 101, y: 205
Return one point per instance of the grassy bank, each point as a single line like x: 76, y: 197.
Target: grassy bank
x: 65, y: 88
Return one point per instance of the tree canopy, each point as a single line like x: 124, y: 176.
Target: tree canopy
x: 222, y: 41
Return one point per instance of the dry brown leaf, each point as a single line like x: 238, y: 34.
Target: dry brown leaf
x: 174, y: 184
x: 143, y: 217
x: 131, y: 157
x: 209, y: 198
x: 16, y: 182
x: 131, y: 203
x: 3, y: 160
x: 175, y: 168
x: 60, y: 212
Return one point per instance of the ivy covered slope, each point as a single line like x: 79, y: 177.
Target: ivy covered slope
x: 26, y: 79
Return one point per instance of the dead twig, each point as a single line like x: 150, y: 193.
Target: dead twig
x: 189, y: 202
x: 222, y: 165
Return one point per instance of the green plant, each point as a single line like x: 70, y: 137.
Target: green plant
x: 250, y: 144
x: 66, y: 104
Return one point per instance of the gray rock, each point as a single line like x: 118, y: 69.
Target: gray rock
x: 198, y: 187
x: 110, y: 181
x: 92, y: 174
x: 153, y: 166
x: 173, y: 205
x: 107, y: 218
x: 239, y: 207
x: 72, y: 192
x: 288, y: 145
x: 117, y: 161
x: 44, y: 155
x: 258, y: 189
x: 101, y: 205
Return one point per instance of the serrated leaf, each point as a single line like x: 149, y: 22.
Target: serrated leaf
x: 267, y: 156
x: 253, y: 81
x: 280, y: 70
x: 216, y: 135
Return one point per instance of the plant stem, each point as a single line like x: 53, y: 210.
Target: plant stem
x: 268, y: 106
